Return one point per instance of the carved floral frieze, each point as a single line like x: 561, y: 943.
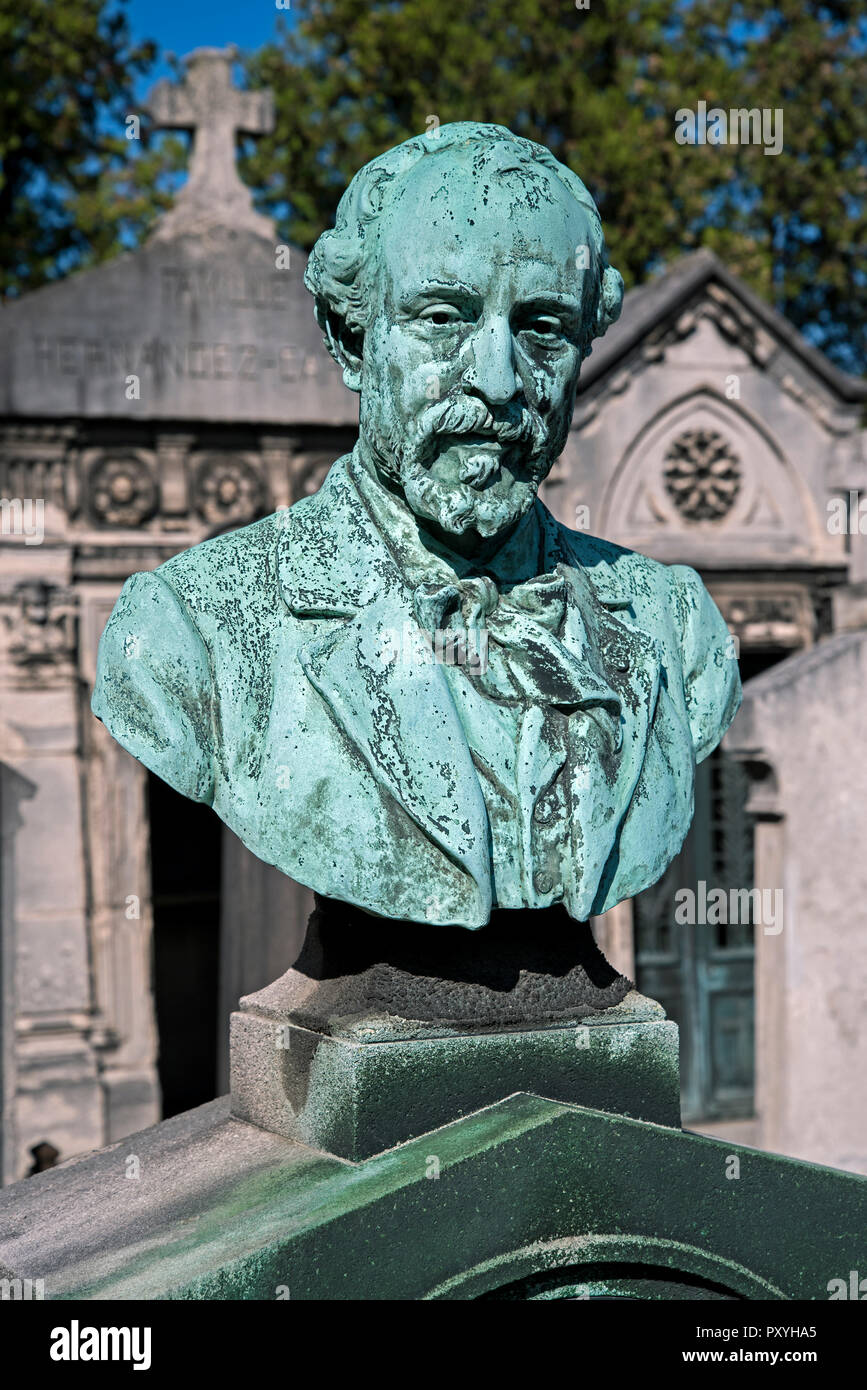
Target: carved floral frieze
x: 122, y: 490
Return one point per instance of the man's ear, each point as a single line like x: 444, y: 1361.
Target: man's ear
x: 346, y: 348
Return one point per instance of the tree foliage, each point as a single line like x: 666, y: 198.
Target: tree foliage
x: 600, y: 86
x: 67, y: 187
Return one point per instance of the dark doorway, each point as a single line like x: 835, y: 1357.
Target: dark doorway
x: 702, y: 973
x: 186, y: 844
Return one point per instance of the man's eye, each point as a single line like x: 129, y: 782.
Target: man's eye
x: 545, y: 324
x: 441, y: 314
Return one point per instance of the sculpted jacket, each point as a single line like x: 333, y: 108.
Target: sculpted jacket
x: 248, y: 673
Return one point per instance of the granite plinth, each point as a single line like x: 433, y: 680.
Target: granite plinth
x: 375, y: 1082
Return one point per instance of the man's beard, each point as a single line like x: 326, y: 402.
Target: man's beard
x: 470, y: 503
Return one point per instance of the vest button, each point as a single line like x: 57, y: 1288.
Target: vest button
x: 543, y: 882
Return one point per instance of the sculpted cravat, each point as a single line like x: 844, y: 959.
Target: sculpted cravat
x: 527, y: 662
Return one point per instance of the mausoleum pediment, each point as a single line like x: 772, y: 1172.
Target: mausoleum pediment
x: 700, y: 289
x: 209, y: 321
x: 708, y: 431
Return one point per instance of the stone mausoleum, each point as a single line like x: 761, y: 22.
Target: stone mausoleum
x: 182, y: 390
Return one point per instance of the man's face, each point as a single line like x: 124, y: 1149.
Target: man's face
x: 473, y: 349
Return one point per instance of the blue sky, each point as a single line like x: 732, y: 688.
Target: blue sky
x: 179, y: 26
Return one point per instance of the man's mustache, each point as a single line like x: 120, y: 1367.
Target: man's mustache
x: 512, y: 423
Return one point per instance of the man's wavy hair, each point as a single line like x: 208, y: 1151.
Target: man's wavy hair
x: 336, y: 273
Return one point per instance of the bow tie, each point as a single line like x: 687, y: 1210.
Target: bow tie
x: 471, y: 604
x: 532, y: 662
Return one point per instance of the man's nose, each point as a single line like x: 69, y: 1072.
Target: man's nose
x: 490, y: 369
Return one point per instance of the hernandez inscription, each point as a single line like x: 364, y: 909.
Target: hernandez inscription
x: 287, y: 674
x: 197, y: 361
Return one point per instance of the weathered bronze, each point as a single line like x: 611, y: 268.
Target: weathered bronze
x: 416, y: 691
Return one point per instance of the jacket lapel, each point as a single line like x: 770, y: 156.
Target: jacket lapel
x: 601, y: 626
x: 383, y: 687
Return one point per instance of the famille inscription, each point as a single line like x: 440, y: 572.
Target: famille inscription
x: 217, y: 287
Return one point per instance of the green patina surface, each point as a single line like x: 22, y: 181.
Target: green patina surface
x: 292, y: 674
x: 528, y: 1190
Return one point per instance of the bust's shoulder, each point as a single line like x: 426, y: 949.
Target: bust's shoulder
x: 246, y: 559
x: 619, y: 574
x: 235, y: 557
x: 671, y: 603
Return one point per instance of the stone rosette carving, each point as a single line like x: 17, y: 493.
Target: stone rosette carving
x: 228, y: 489
x: 702, y: 475
x: 122, y: 491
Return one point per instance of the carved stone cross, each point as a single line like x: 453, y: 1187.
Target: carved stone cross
x: 208, y: 105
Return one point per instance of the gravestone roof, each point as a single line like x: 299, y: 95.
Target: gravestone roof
x: 201, y: 314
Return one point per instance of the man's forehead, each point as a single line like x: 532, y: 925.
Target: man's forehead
x: 479, y: 177
x: 523, y: 277
x: 464, y: 220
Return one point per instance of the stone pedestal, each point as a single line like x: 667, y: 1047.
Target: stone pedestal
x: 368, y: 1156
x: 384, y: 1031
x: 375, y: 1086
